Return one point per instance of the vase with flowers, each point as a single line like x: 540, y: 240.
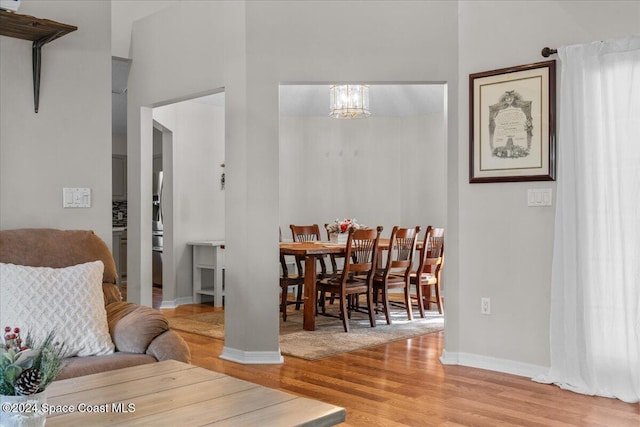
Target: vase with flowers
x: 339, y: 229
x: 26, y: 369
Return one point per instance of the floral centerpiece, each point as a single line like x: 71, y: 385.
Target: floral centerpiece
x: 339, y: 229
x: 26, y: 369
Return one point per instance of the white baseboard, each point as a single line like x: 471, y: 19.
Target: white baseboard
x: 176, y: 302
x: 252, y: 357
x: 492, y: 364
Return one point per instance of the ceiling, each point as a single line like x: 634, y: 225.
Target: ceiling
x: 386, y: 100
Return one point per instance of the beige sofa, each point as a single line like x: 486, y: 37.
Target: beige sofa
x: 140, y: 334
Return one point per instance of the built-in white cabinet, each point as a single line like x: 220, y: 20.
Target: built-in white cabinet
x: 208, y: 255
x: 119, y: 177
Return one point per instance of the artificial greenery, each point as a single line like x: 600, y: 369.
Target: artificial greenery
x: 26, y: 368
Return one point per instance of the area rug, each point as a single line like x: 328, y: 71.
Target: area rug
x: 329, y: 338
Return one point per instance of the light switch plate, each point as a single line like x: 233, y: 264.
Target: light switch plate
x: 539, y: 197
x: 76, y: 197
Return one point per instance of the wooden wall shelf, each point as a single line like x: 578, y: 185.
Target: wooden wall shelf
x: 40, y: 32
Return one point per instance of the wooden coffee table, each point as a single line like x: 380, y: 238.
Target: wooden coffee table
x: 177, y: 394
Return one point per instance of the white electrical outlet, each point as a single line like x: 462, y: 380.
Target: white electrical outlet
x: 485, y: 305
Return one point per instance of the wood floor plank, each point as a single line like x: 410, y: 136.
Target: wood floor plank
x: 403, y: 383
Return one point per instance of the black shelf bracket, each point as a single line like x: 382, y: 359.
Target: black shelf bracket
x: 36, y: 56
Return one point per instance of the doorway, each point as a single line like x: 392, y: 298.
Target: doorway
x: 386, y: 169
x: 188, y: 154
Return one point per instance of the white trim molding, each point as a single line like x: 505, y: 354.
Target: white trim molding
x: 492, y: 364
x: 252, y: 357
x: 176, y: 302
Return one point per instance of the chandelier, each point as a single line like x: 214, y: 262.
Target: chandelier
x: 349, y: 101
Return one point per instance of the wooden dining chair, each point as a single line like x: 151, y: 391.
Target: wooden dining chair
x: 426, y: 278
x: 357, y: 275
x: 288, y: 280
x: 308, y: 233
x: 396, y: 272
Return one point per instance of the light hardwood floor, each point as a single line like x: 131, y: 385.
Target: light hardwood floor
x: 404, y: 383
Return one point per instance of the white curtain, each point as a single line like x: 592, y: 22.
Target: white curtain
x: 595, y: 292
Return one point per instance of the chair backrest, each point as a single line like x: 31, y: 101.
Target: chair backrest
x: 402, y: 247
x: 361, y: 253
x: 332, y: 257
x: 432, y: 253
x: 307, y: 233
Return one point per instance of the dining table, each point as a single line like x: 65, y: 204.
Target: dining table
x: 311, y: 251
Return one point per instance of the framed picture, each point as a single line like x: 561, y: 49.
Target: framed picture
x: 512, y: 124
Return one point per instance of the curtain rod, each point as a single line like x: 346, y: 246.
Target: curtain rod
x: 547, y: 52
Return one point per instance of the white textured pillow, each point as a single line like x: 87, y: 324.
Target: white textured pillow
x: 68, y: 301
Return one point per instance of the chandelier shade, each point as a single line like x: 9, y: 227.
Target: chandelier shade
x: 349, y: 101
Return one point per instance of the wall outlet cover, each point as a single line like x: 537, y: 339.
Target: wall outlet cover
x: 485, y: 305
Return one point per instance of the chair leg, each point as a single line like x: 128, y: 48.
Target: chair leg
x: 420, y: 298
x: 343, y: 311
x: 322, y: 303
x: 407, y: 302
x: 438, y: 298
x: 385, y: 302
x: 426, y: 296
x: 283, y: 303
x: 376, y: 293
x: 299, y: 297
x: 372, y: 319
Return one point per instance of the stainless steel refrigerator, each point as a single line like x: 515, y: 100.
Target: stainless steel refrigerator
x: 158, y: 229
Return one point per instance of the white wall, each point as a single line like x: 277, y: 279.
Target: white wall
x: 198, y: 200
x: 249, y: 48
x: 321, y: 42
x: 166, y: 69
x: 68, y: 142
x: 505, y: 247
x: 381, y: 170
x: 496, y: 246
x: 123, y: 14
